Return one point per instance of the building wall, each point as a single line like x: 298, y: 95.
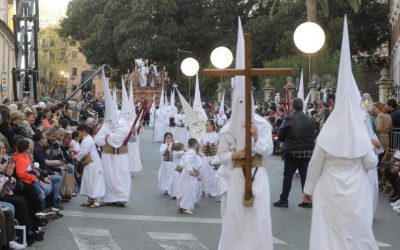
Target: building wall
x: 61, y: 65
x: 395, y: 41
x: 7, y: 49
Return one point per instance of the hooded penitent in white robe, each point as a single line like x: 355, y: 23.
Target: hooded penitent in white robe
x: 337, y: 176
x: 208, y: 173
x: 159, y: 125
x: 245, y: 228
x: 116, y: 166
x: 188, y: 192
x: 92, y: 185
x: 128, y: 114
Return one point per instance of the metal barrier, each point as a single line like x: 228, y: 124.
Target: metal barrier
x: 394, y: 140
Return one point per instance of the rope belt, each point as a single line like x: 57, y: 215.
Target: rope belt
x: 107, y: 149
x: 256, y: 161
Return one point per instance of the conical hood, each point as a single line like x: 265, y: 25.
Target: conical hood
x: 125, y: 98
x: 238, y: 117
x: 131, y: 96
x: 172, y: 106
x: 345, y: 133
x: 115, y: 95
x: 161, y: 106
x: 153, y: 105
x: 127, y: 111
x: 111, y: 107
x: 300, y: 94
x: 197, y: 102
x: 222, y: 105
x: 132, y: 107
x: 306, y: 101
x: 166, y: 104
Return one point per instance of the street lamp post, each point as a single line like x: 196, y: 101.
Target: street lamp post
x: 309, y: 37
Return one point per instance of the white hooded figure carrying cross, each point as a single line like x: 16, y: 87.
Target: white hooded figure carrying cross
x: 252, y: 228
x: 337, y: 177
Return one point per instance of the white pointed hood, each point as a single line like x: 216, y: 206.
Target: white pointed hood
x: 306, y: 101
x: 235, y: 125
x: 161, y: 105
x: 222, y: 105
x: 344, y: 133
x: 153, y: 105
x: 197, y: 102
x: 166, y: 104
x: 300, y: 94
x: 127, y: 113
x: 172, y: 110
x: 115, y: 95
x: 111, y: 107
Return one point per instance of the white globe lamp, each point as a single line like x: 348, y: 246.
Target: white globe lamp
x: 190, y: 66
x: 309, y: 37
x: 221, y: 57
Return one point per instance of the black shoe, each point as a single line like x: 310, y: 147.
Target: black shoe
x: 393, y: 199
x: 305, y: 204
x: 281, y: 203
x: 393, y: 195
x: 43, y: 223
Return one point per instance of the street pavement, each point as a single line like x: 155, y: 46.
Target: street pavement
x: 151, y: 221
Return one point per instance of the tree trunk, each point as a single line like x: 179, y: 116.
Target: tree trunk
x: 312, y: 17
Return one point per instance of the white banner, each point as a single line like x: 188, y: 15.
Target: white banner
x: 196, y: 126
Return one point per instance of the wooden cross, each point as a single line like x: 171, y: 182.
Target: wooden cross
x: 248, y: 72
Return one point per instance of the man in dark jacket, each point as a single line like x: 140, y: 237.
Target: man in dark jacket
x: 394, y: 113
x: 298, y: 136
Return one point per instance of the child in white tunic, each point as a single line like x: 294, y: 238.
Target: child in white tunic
x: 177, y: 153
x: 92, y: 184
x: 208, y: 143
x: 189, y: 185
x: 167, y: 165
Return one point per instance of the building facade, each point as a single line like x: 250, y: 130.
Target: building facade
x: 7, y: 49
x: 62, y: 66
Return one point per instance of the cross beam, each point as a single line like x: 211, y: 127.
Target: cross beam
x: 248, y: 72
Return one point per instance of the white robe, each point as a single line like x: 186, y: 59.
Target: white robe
x: 151, y: 122
x: 159, y: 126
x: 165, y: 171
x: 181, y: 132
x: 135, y: 163
x: 177, y: 157
x: 208, y: 173
x: 188, y: 192
x: 116, y: 167
x: 246, y: 228
x: 342, y: 201
x: 92, y: 185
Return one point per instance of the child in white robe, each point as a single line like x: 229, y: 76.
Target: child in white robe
x: 167, y: 165
x: 208, y: 143
x: 177, y: 153
x: 188, y: 192
x: 92, y: 184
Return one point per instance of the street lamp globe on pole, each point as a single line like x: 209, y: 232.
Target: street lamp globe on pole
x: 190, y: 67
x: 309, y: 37
x: 221, y: 57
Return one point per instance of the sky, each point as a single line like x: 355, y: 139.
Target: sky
x: 50, y: 11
